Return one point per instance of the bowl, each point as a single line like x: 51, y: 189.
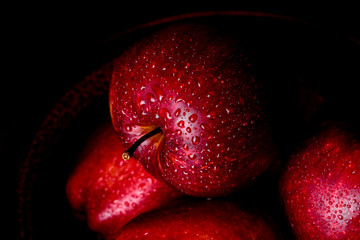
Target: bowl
x: 308, y: 70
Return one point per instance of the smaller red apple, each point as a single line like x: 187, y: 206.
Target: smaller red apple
x: 202, y: 219
x: 320, y: 187
x: 108, y: 189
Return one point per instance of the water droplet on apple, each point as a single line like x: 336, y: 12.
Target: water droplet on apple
x: 195, y: 140
x: 164, y: 112
x: 181, y: 124
x: 140, y: 102
x: 177, y: 112
x: 158, y: 92
x: 211, y: 114
x: 193, y: 118
x: 186, y: 147
x: 204, y: 126
x: 229, y: 110
x: 192, y: 156
x: 178, y: 132
x: 188, y: 130
x: 179, y: 99
x: 210, y: 94
x: 340, y: 217
x: 150, y: 97
x: 128, y: 128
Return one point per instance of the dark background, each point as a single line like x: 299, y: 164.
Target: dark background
x: 49, y: 48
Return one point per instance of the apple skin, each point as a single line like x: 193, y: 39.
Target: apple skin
x: 202, y: 219
x: 196, y: 85
x: 320, y: 187
x: 109, y: 190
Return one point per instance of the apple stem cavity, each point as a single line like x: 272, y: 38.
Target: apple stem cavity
x: 128, y: 153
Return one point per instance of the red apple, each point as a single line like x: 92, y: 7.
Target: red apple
x: 321, y: 187
x: 194, y: 87
x: 108, y: 189
x: 198, y: 220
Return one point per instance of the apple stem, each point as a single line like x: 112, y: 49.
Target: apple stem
x: 128, y: 153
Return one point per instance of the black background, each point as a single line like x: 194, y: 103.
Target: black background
x: 48, y: 48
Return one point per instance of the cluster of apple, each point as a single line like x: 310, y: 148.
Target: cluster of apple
x: 189, y: 124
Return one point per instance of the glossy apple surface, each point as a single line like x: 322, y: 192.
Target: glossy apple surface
x: 109, y: 190
x: 194, y: 83
x: 321, y: 187
x: 199, y: 220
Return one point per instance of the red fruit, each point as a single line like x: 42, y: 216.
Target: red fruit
x: 195, y: 85
x: 198, y: 220
x: 321, y: 187
x: 112, y: 191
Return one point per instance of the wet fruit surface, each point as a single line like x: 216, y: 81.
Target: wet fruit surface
x: 109, y: 190
x: 321, y: 187
x: 199, y: 220
x: 199, y: 89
